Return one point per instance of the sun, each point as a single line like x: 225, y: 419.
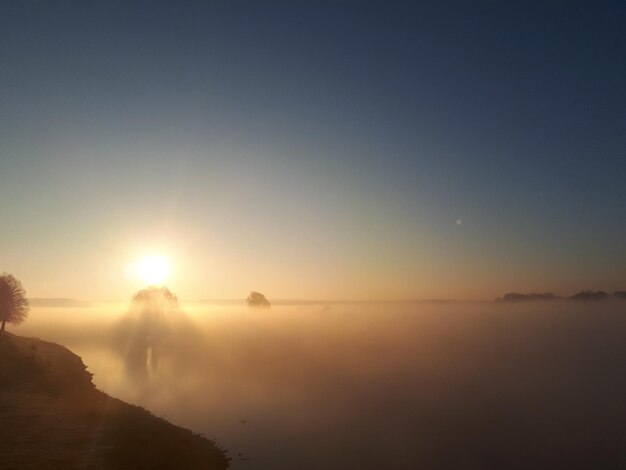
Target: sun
x: 153, y: 269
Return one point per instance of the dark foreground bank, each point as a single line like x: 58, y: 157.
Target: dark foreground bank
x: 52, y: 417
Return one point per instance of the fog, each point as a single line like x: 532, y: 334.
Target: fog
x: 395, y: 386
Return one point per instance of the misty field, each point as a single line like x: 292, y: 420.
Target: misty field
x: 395, y: 386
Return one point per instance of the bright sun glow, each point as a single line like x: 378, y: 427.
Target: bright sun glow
x: 153, y: 270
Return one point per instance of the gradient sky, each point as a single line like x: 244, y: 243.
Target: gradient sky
x: 368, y: 150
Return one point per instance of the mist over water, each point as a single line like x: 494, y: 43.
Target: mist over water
x: 399, y: 386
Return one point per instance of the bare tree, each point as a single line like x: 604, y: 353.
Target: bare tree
x: 13, y: 302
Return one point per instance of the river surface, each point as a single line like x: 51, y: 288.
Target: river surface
x: 395, y: 386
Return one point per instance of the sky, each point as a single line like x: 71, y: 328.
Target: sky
x: 314, y: 150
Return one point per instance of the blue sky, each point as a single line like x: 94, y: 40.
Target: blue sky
x: 321, y: 150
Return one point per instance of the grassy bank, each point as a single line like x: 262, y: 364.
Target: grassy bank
x: 52, y: 417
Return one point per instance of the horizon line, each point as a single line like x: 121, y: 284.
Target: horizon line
x: 281, y: 301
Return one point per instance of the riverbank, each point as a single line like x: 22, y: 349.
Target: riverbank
x: 53, y: 417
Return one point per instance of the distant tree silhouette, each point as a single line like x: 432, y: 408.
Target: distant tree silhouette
x: 156, y: 296
x: 151, y: 308
x: 256, y: 299
x: 13, y: 302
x: 589, y: 295
x: 516, y: 297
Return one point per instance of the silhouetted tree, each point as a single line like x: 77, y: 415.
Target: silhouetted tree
x: 153, y: 296
x: 515, y: 297
x: 13, y: 302
x: 589, y: 295
x: 256, y: 299
x: 147, y: 327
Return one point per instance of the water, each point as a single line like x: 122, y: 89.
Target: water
x: 399, y: 386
